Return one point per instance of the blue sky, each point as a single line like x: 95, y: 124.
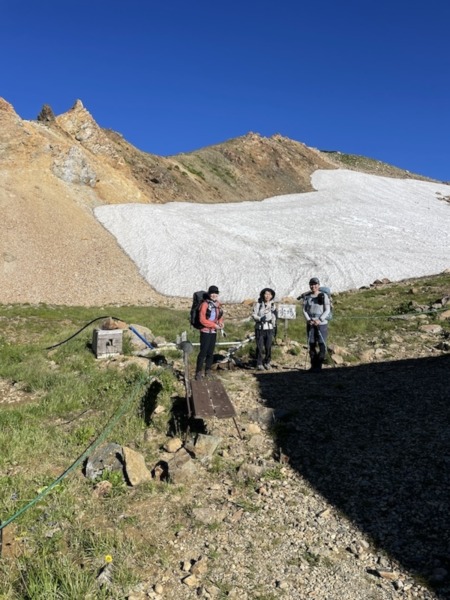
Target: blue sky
x: 370, y: 78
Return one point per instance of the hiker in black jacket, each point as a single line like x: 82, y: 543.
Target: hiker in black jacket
x: 265, y: 317
x: 316, y: 308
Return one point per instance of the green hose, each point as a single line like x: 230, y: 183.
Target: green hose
x: 113, y: 420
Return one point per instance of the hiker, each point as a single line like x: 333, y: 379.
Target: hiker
x: 210, y: 317
x: 265, y: 317
x: 316, y: 308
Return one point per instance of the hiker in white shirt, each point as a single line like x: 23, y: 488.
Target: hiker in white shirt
x: 265, y: 317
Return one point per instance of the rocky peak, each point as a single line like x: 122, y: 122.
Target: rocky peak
x: 79, y: 124
x: 8, y: 114
x: 7, y: 107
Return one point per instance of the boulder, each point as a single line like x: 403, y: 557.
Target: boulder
x: 135, y: 468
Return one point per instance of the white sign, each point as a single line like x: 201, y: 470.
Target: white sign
x: 286, y: 311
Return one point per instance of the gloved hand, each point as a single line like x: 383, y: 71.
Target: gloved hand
x: 263, y: 319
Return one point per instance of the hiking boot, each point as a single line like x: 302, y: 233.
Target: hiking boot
x: 259, y: 367
x: 209, y: 375
x: 267, y: 366
x: 198, y: 377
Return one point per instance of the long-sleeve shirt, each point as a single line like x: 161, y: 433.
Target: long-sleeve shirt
x: 266, y: 310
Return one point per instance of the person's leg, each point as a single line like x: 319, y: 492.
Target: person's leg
x: 210, y: 351
x: 322, y: 335
x: 204, y: 341
x: 259, y: 335
x: 268, y: 346
x: 313, y: 340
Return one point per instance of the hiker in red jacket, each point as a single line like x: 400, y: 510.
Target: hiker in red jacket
x: 210, y: 316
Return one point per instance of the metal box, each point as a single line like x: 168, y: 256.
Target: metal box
x: 107, y: 342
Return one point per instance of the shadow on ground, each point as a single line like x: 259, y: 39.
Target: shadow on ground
x: 375, y: 441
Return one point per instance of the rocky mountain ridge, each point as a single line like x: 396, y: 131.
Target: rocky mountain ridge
x: 55, y: 170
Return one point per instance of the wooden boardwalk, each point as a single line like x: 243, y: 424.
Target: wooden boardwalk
x: 208, y: 399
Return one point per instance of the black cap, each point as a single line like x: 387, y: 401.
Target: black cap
x: 262, y: 292
x: 313, y: 280
x: 213, y: 289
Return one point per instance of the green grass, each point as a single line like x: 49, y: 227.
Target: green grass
x: 70, y: 398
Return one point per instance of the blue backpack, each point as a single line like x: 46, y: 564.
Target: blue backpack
x: 326, y: 290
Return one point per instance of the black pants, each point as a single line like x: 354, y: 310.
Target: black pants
x: 264, y: 339
x: 207, y: 343
x: 317, y: 337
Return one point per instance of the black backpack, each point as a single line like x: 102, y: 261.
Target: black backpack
x: 197, y: 299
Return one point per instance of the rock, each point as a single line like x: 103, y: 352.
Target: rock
x: 191, y: 581
x: 186, y: 566
x: 253, y: 428
x: 444, y: 316
x: 182, y: 468
x: 173, y: 445
x: 337, y: 359
x: 368, y: 356
x: 102, y: 489
x: 206, y: 445
x: 334, y: 349
x: 249, y: 471
x: 208, y: 516
x: 74, y: 167
x: 263, y: 415
x: 111, y: 324
x: 200, y: 567
x: 390, y: 575
x: 159, y: 589
x: 107, y: 457
x: 257, y: 442
x: 136, y: 342
x: 135, y: 468
x: 431, y: 328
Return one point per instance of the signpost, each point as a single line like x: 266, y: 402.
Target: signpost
x: 286, y: 312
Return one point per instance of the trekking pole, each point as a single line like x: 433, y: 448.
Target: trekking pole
x: 307, y: 346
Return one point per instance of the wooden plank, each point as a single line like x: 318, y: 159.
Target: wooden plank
x: 223, y: 407
x: 201, y: 400
x: 209, y: 399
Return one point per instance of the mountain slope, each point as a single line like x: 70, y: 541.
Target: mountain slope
x: 54, y: 171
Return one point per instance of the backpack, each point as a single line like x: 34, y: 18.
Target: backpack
x: 197, y: 299
x: 322, y: 291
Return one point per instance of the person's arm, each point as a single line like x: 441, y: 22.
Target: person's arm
x: 274, y: 314
x: 255, y: 313
x: 219, y: 324
x: 326, y: 309
x: 305, y: 310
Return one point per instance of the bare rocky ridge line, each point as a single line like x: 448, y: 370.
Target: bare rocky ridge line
x: 55, y: 170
